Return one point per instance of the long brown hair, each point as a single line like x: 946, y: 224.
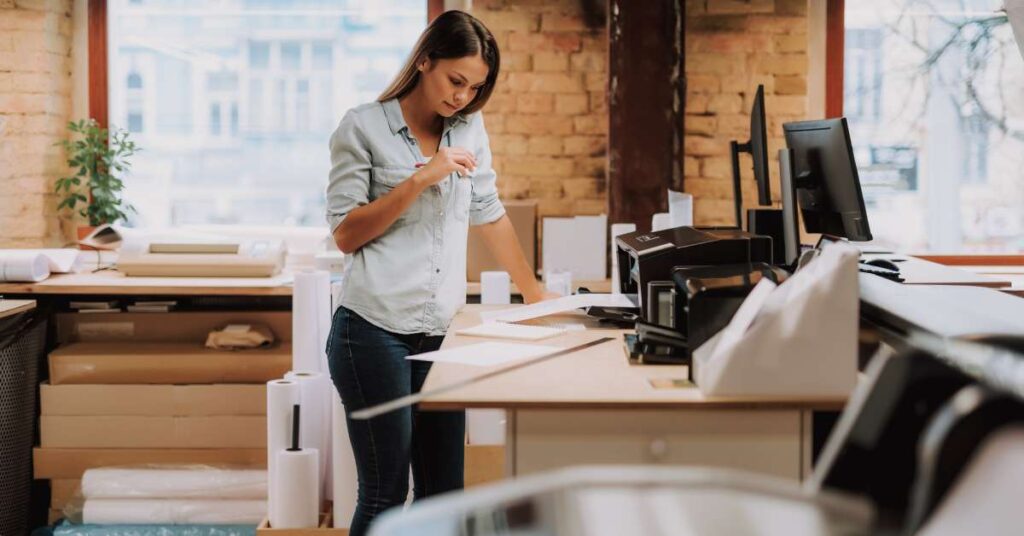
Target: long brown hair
x: 453, y: 34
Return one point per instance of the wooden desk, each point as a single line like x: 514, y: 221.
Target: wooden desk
x: 13, y: 307
x: 602, y: 286
x: 921, y: 272
x: 594, y: 407
x: 113, y: 282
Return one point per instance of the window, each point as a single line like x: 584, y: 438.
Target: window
x: 937, y: 130
x: 234, y: 102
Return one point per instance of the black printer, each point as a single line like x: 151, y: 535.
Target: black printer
x: 647, y: 259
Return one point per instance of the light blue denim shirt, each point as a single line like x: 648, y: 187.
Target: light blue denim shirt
x: 412, y: 278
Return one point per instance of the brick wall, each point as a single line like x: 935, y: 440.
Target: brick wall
x: 548, y: 119
x: 35, y: 100
x: 731, y: 47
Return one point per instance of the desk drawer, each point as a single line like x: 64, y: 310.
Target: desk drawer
x: 764, y: 441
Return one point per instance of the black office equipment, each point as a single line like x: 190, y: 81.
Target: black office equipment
x: 826, y: 180
x: 651, y: 257
x: 790, y: 216
x: 882, y: 263
x: 757, y: 147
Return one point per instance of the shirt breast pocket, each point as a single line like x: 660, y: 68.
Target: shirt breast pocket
x: 386, y: 179
x: 463, y: 198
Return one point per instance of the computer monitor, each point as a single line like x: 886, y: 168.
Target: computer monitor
x: 757, y: 146
x: 790, y: 218
x: 826, y: 181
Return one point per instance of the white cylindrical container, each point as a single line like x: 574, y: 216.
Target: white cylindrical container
x: 315, y: 395
x: 495, y: 288
x: 298, y: 493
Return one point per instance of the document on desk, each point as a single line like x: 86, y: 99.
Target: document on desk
x: 504, y: 330
x: 486, y: 354
x: 560, y: 305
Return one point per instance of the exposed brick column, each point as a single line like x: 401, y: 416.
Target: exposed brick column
x: 35, y: 102
x: 731, y: 47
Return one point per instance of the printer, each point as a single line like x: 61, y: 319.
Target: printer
x: 647, y: 260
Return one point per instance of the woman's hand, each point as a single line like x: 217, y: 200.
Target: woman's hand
x: 446, y: 161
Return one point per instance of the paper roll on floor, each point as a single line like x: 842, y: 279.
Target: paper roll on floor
x: 172, y: 511
x: 314, y: 395
x: 343, y: 465
x: 174, y: 483
x: 297, y: 490
x: 23, y: 267
x: 282, y: 395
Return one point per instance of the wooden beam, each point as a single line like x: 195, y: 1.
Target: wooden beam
x: 434, y: 8
x: 646, y: 98
x: 835, y: 32
x: 98, y: 61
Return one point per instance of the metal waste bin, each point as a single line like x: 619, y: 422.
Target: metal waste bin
x: 22, y: 341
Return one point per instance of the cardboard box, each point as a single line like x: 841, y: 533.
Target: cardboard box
x: 523, y: 215
x: 484, y: 464
x: 164, y: 327
x: 63, y: 490
x: 155, y: 400
x: 152, y: 432
x: 165, y: 363
x: 71, y: 463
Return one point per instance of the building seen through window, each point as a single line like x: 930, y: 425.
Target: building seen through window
x: 233, y: 102
x: 934, y: 93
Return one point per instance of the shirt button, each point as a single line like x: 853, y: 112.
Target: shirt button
x: 438, y: 270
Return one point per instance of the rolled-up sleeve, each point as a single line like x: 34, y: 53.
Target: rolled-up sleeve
x: 349, y: 179
x: 485, y: 206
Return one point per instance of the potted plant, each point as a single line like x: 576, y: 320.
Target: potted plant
x: 97, y: 157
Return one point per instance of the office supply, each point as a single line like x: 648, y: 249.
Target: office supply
x: 559, y: 282
x: 21, y: 266
x: 495, y: 288
x: 651, y: 257
x: 485, y: 354
x: 757, y: 147
x: 617, y: 230
x: 170, y: 482
x: 311, y: 316
x: 297, y: 503
x: 803, y: 341
x: 790, y: 213
x: 343, y: 466
x: 661, y: 221
x: 634, y: 499
x: 172, y: 511
x: 680, y: 208
x: 408, y: 400
x: 566, y: 303
x: 504, y: 330
x: 282, y: 395
x: 252, y: 258
x: 314, y: 396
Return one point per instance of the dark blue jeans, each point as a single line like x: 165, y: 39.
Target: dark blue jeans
x: 369, y: 367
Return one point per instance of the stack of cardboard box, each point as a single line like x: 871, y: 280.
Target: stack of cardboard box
x: 133, y: 389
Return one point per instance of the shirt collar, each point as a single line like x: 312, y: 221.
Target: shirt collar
x: 393, y: 113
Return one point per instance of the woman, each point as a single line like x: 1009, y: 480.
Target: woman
x: 409, y: 174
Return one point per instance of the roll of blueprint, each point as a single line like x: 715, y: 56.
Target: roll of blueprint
x: 23, y: 267
x: 174, y: 483
x: 314, y: 395
x: 173, y: 511
x: 297, y: 490
x: 343, y: 465
x: 282, y: 395
x: 310, y: 302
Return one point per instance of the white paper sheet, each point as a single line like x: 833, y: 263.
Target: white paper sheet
x: 503, y: 330
x: 60, y: 260
x: 486, y: 354
x: 560, y: 305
